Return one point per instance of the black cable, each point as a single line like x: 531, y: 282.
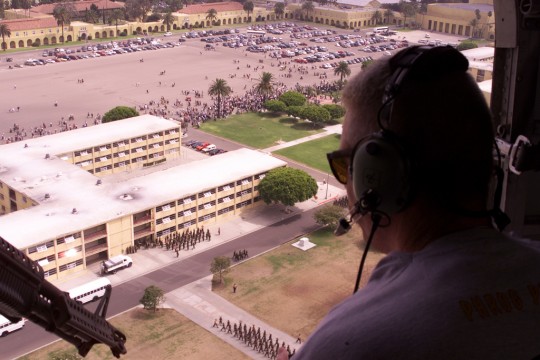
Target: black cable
x: 375, y: 220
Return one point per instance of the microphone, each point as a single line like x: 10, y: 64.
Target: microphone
x: 345, y: 223
x: 369, y: 201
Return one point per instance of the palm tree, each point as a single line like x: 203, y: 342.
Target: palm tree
x: 474, y: 25
x: 387, y: 15
x: 168, y: 19
x: 279, y: 9
x: 211, y: 15
x: 4, y: 31
x: 63, y: 13
x: 308, y: 7
x: 377, y: 17
x: 116, y: 15
x: 342, y: 70
x: 219, y: 88
x: 248, y: 7
x: 265, y: 85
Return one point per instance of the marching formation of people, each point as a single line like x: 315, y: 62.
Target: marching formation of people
x: 240, y: 255
x: 263, y: 343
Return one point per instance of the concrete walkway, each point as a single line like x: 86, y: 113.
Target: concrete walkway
x: 334, y: 129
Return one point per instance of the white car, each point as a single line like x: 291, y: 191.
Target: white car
x: 168, y: 33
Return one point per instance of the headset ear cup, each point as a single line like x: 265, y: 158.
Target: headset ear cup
x: 381, y: 174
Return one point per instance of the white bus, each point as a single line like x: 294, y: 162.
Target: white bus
x: 381, y: 30
x: 7, y: 326
x: 90, y: 291
x: 256, y: 32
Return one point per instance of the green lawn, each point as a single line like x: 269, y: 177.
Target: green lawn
x: 259, y: 130
x: 312, y: 153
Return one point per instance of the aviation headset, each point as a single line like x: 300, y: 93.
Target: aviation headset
x: 381, y: 169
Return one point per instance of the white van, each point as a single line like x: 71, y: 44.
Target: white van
x: 90, y: 291
x: 7, y: 326
x: 209, y: 147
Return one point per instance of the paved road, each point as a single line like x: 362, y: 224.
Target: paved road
x: 126, y: 295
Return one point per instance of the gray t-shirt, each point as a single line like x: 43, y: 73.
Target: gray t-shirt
x: 469, y: 295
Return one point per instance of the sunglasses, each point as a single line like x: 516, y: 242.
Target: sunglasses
x: 339, y: 164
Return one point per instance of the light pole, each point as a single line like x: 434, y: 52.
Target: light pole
x: 327, y: 178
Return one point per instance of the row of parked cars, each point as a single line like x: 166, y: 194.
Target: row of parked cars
x: 205, y: 147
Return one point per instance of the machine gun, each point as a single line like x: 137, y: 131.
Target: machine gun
x: 24, y: 292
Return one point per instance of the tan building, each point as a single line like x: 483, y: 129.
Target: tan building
x: 457, y: 19
x: 67, y: 217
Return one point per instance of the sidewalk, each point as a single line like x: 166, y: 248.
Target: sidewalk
x: 334, y: 129
x: 197, y: 302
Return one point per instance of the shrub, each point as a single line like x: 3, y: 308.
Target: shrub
x: 275, y: 106
x: 293, y: 98
x: 335, y: 111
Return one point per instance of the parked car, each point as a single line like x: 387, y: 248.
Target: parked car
x: 168, y: 33
x: 202, y: 146
x: 208, y: 148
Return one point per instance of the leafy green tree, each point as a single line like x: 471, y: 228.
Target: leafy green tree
x: 329, y: 215
x: 220, y: 266
x: 220, y: 89
x: 4, y: 31
x: 117, y: 14
x: 308, y: 8
x: 168, y: 19
x: 287, y: 186
x: 92, y: 15
x: 63, y: 13
x: 174, y: 5
x: 248, y: 7
x: 387, y: 15
x: 152, y: 298
x: 466, y: 45
x: 316, y: 114
x: 279, y: 9
x: 335, y: 111
x: 408, y: 10
x: 211, y: 15
x: 294, y: 110
x: 275, y: 106
x: 119, y: 113
x: 265, y: 86
x: 138, y: 9
x: 342, y: 70
x: 377, y: 17
x: 293, y: 98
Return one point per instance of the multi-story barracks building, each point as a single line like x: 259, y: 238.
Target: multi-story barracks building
x: 74, y: 198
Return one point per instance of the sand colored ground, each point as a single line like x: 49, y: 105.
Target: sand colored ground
x: 124, y: 80
x: 293, y: 289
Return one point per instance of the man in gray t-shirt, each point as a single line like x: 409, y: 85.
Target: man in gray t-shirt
x: 416, y: 159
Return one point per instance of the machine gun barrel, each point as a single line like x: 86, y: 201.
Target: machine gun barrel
x: 24, y: 292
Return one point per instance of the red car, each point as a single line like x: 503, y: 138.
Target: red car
x: 202, y: 146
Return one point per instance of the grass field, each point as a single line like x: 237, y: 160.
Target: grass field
x: 312, y: 153
x: 165, y: 334
x: 291, y: 289
x: 259, y: 130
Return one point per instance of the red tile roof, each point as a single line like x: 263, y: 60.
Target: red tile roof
x: 219, y: 7
x: 80, y: 6
x: 30, y: 23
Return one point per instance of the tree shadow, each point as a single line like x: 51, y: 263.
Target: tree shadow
x: 307, y: 126
x: 288, y: 120
x: 269, y: 115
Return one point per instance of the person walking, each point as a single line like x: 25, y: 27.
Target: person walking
x: 234, y: 287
